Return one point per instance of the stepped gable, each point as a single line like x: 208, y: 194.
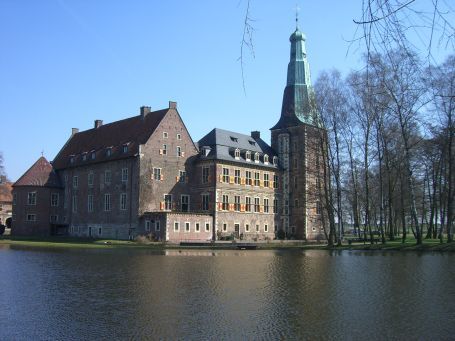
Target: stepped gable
x: 131, y: 132
x: 41, y: 174
x: 223, y: 144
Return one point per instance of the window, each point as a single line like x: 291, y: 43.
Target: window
x: 31, y: 217
x: 176, y: 226
x: 296, y: 203
x: 125, y: 149
x: 286, y: 207
x: 197, y: 227
x: 75, y: 181
x: 90, y: 179
x: 225, y: 204
x: 252, y: 142
x: 318, y: 207
x: 84, y: 157
x: 164, y: 150
x: 205, y: 174
x: 256, y: 157
x: 275, y: 161
x: 157, y: 226
x: 179, y: 151
x: 205, y: 202
x: 234, y: 139
x: 275, y: 181
x: 237, y: 176
x: 14, y: 198
x: 266, y: 180
x: 54, y: 199
x: 256, y: 178
x: 123, y: 201
x: 31, y: 198
x: 107, y: 176
x: 107, y: 202
x: 266, y: 159
x: 93, y: 155
x: 74, y: 203
x: 248, y: 204
x: 224, y: 227
x: 275, y: 206
x: 185, y: 203
x: 207, y: 227
x: 90, y: 203
x: 72, y: 159
x: 248, y: 180
x: 257, y: 228
x: 248, y: 156
x: 247, y: 227
x: 168, y: 202
x: 164, y: 134
x: 266, y: 205
x: 157, y: 174
x: 256, y: 205
x: 266, y: 228
x: 108, y: 151
x: 124, y: 174
x: 187, y: 227
x: 182, y: 176
x: 53, y: 218
x: 237, y: 154
x: 226, y: 175
x: 179, y: 137
x: 237, y: 203
x: 147, y: 225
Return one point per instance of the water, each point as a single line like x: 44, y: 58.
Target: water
x: 238, y: 295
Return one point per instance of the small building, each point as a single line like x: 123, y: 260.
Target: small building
x: 6, y: 201
x: 37, y: 201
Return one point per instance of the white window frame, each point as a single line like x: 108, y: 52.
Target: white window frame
x: 207, y: 226
x: 148, y: 225
x: 107, y: 177
x: 176, y: 226
x: 75, y: 181
x: 123, y: 201
x: 124, y: 174
x: 187, y: 227
x: 31, y: 198
x: 54, y: 203
x: 107, y: 202
x: 90, y: 205
x: 90, y: 179
x: 157, y: 225
x: 197, y: 227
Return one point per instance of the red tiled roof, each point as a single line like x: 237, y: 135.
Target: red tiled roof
x: 40, y: 174
x: 132, y: 131
x: 5, y: 192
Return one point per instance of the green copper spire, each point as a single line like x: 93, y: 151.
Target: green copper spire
x: 298, y: 96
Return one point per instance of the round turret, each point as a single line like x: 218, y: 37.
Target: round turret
x: 297, y: 35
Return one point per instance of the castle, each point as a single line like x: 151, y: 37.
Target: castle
x: 144, y: 175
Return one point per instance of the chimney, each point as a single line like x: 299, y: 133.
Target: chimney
x: 98, y: 123
x: 145, y: 110
x: 256, y: 135
x: 172, y: 105
x: 74, y: 131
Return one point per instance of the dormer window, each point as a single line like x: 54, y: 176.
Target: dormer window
x: 108, y: 151
x: 266, y: 159
x: 237, y: 154
x: 248, y: 156
x: 252, y: 142
x: 125, y: 149
x: 84, y: 157
x: 256, y: 157
x: 72, y: 159
x: 234, y: 139
x: 93, y: 155
x: 275, y: 160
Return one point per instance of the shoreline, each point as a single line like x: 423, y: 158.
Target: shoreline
x: 63, y: 242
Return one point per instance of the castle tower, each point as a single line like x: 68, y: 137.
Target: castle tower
x: 298, y: 137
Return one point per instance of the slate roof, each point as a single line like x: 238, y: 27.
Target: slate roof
x: 131, y: 132
x: 223, y: 144
x: 41, y: 174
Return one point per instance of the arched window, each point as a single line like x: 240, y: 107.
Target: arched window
x: 248, y: 156
x: 266, y: 158
x: 256, y: 157
x: 237, y: 153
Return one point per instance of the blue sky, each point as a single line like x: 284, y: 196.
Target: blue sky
x: 66, y: 63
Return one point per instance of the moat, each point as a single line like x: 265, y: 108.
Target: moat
x: 184, y: 294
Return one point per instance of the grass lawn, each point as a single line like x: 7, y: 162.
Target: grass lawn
x: 67, y: 242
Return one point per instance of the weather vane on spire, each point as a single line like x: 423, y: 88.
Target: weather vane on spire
x: 297, y: 10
